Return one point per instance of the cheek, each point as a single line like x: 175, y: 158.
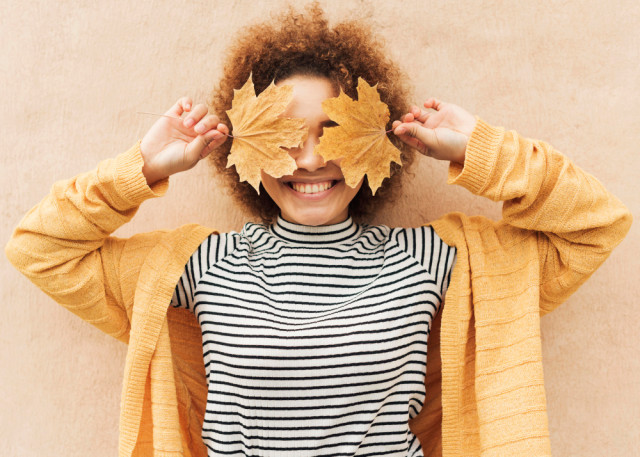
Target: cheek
x: 270, y: 184
x: 354, y: 191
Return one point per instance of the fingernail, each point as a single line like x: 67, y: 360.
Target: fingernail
x: 189, y: 122
x: 400, y: 131
x: 199, y: 128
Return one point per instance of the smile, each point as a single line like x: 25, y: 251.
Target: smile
x: 311, y: 188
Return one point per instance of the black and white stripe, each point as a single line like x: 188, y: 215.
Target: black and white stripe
x: 315, y: 338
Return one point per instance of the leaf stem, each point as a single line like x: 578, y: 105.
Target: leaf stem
x: 156, y: 114
x: 176, y: 118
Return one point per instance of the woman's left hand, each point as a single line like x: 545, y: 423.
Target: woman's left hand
x: 441, y: 132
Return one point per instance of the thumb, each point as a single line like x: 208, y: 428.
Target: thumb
x: 416, y: 135
x: 425, y: 135
x: 193, y: 152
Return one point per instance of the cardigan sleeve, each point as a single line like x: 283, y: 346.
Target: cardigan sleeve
x: 577, y: 222
x: 63, y: 244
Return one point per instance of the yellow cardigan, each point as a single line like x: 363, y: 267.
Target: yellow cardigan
x: 484, y: 384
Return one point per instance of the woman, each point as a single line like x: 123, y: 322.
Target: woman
x: 311, y: 332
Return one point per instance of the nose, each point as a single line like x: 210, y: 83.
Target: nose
x: 305, y: 157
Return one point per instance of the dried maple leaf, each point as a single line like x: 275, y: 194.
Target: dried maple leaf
x: 360, y: 138
x: 259, y: 134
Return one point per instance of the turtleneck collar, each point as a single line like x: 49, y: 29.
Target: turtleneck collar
x: 339, y: 233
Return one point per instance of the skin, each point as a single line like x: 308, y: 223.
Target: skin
x: 175, y: 144
x: 441, y: 132
x: 322, y: 208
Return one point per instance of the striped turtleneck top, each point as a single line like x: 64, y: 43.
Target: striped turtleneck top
x: 315, y: 338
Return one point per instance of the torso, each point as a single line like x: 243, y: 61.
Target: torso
x: 315, y: 338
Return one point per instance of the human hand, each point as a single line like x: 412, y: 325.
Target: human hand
x: 442, y: 132
x: 175, y: 144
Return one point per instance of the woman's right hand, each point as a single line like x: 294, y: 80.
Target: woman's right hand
x: 174, y: 145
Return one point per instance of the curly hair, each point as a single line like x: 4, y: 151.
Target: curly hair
x: 294, y: 44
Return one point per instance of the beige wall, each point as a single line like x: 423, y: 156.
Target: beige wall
x: 73, y: 77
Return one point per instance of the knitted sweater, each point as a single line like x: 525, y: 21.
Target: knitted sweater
x: 484, y: 384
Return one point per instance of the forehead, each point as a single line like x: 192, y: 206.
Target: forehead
x: 308, y: 94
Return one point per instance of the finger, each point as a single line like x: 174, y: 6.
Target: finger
x: 425, y: 135
x: 194, y: 149
x: 217, y: 138
x: 222, y: 128
x: 433, y: 103
x: 401, y: 132
x: 196, y: 114
x: 202, y: 145
x: 422, y: 134
x: 424, y: 115
x: 210, y: 121
x: 407, y: 118
x: 414, y: 143
x: 183, y: 104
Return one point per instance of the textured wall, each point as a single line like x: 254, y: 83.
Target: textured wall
x: 72, y: 78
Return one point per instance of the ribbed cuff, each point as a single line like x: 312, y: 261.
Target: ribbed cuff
x: 130, y: 181
x: 480, y: 158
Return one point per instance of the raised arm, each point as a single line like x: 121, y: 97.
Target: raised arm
x: 577, y: 222
x: 63, y: 245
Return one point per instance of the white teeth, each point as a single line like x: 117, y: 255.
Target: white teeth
x: 311, y: 188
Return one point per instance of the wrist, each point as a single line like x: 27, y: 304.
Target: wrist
x: 459, y: 156
x: 132, y: 186
x: 481, y: 154
x: 467, y: 132
x: 152, y: 176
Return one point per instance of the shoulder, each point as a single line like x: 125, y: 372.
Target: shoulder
x: 375, y: 234
x: 425, y: 246
x: 156, y: 257
x: 175, y: 243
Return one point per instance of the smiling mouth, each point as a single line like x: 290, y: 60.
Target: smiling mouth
x: 311, y: 188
